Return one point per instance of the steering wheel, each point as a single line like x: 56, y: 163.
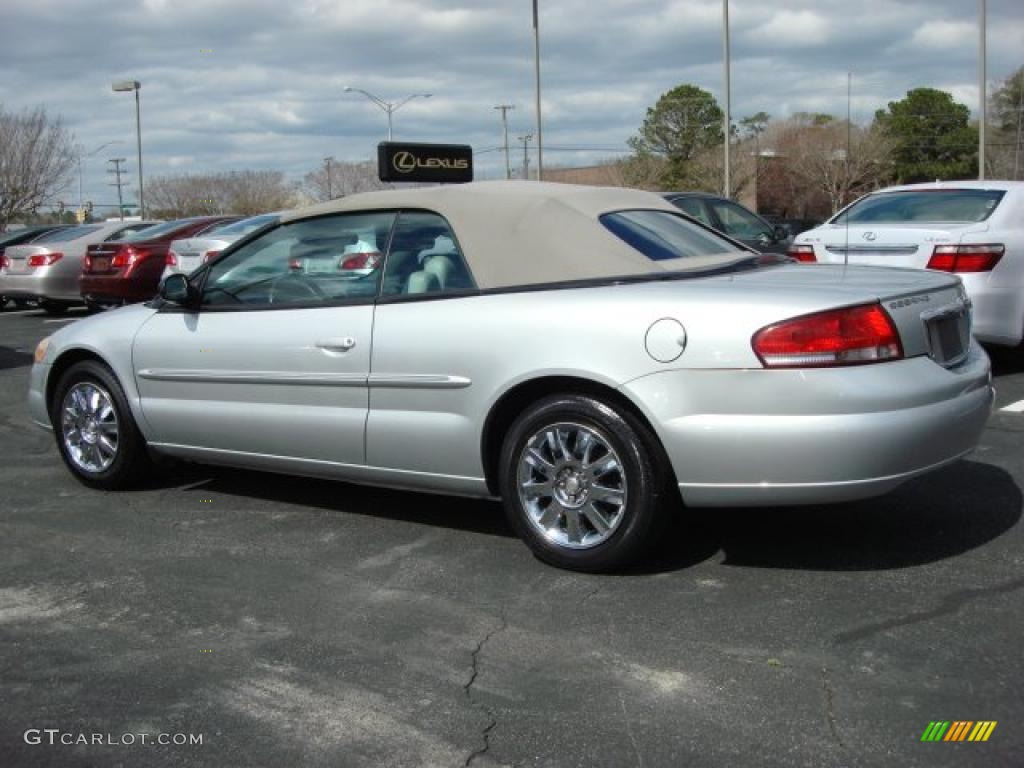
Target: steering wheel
x: 294, y: 280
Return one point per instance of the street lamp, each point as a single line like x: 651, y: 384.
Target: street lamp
x: 390, y: 107
x: 90, y: 154
x: 135, y: 85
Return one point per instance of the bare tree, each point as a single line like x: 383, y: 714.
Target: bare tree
x: 36, y: 160
x: 242, y: 192
x: 835, y: 158
x: 346, y: 178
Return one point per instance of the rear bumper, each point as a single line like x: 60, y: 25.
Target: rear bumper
x: 114, y: 289
x: 55, y: 287
x: 759, y: 437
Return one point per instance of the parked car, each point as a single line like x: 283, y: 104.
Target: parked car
x: 187, y: 255
x: 128, y: 270
x: 46, y: 270
x: 592, y: 356
x: 973, y: 229
x: 16, y: 237
x: 792, y: 226
x: 732, y: 219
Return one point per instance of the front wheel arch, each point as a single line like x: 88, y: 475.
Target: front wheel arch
x: 508, y: 407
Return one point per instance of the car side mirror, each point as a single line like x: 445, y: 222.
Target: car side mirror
x: 781, y: 233
x: 176, y: 289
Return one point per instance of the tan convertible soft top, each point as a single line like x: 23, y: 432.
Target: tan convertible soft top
x: 526, y: 232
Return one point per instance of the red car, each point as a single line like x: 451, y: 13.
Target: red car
x: 128, y: 270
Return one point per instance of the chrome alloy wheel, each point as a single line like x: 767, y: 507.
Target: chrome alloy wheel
x: 572, y: 485
x: 89, y: 427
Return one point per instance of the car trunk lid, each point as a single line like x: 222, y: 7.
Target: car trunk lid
x: 907, y: 245
x: 18, y: 256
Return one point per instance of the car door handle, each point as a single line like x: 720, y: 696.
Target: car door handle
x: 337, y: 345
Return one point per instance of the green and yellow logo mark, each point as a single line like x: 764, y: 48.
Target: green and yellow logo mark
x: 958, y: 730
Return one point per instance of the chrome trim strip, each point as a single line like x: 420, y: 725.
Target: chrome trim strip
x: 891, y: 250
x: 255, y: 377
x: 418, y: 381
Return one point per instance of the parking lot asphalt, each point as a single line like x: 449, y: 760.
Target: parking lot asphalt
x: 294, y: 622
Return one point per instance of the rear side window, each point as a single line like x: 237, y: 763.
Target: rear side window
x: 662, y: 235
x: 946, y: 205
x: 64, y: 235
x: 156, y: 231
x: 424, y: 258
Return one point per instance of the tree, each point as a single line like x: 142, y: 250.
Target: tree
x: 932, y: 135
x: 755, y: 125
x: 36, y: 160
x: 347, y: 178
x: 241, y: 192
x: 683, y: 122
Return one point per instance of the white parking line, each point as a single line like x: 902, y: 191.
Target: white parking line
x: 14, y: 312
x: 1017, y: 407
x: 63, y: 320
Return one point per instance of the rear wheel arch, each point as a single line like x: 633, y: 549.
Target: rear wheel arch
x: 511, y: 404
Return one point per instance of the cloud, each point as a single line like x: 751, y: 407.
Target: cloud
x: 269, y: 92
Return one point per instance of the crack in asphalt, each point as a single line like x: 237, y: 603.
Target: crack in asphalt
x: 492, y: 720
x: 951, y: 603
x: 830, y: 713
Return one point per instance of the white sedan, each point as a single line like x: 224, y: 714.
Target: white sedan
x: 974, y: 229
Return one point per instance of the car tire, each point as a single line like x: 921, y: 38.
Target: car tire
x: 93, y: 308
x: 584, y: 483
x: 53, y: 307
x: 89, y: 414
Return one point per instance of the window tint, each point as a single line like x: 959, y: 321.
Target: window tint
x: 661, y: 235
x: 305, y: 263
x: 738, y: 222
x: 64, y: 235
x: 694, y: 207
x: 243, y: 227
x: 424, y: 258
x: 946, y: 205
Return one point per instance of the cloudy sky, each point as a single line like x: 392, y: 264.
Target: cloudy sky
x: 236, y: 84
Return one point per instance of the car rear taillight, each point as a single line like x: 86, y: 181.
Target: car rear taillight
x: 171, y: 260
x: 126, y: 257
x: 4, y: 262
x: 850, y: 336
x: 802, y: 252
x: 210, y: 256
x: 965, y: 258
x: 44, y: 259
x: 360, y: 261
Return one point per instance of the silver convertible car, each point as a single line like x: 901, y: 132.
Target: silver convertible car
x: 591, y: 356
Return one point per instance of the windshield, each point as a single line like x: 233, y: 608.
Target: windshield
x: 63, y: 235
x: 156, y: 231
x: 946, y: 205
x: 661, y: 235
x: 243, y: 227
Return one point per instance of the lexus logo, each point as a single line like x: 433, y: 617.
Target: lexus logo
x: 404, y: 162
x: 869, y: 236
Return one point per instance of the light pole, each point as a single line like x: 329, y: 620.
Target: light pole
x: 327, y: 162
x: 135, y: 85
x: 390, y: 107
x: 90, y: 154
x: 504, y: 125
x: 536, y: 77
x: 726, y: 181
x: 982, y: 87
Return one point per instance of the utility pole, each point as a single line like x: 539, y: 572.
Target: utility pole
x: 504, y: 126
x: 849, y: 129
x: 526, y: 154
x: 982, y: 88
x: 117, y: 171
x: 727, y: 182
x: 327, y: 162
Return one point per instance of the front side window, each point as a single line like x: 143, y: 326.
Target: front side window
x: 662, y: 235
x: 964, y: 206
x: 424, y: 258
x: 327, y: 260
x: 738, y: 222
